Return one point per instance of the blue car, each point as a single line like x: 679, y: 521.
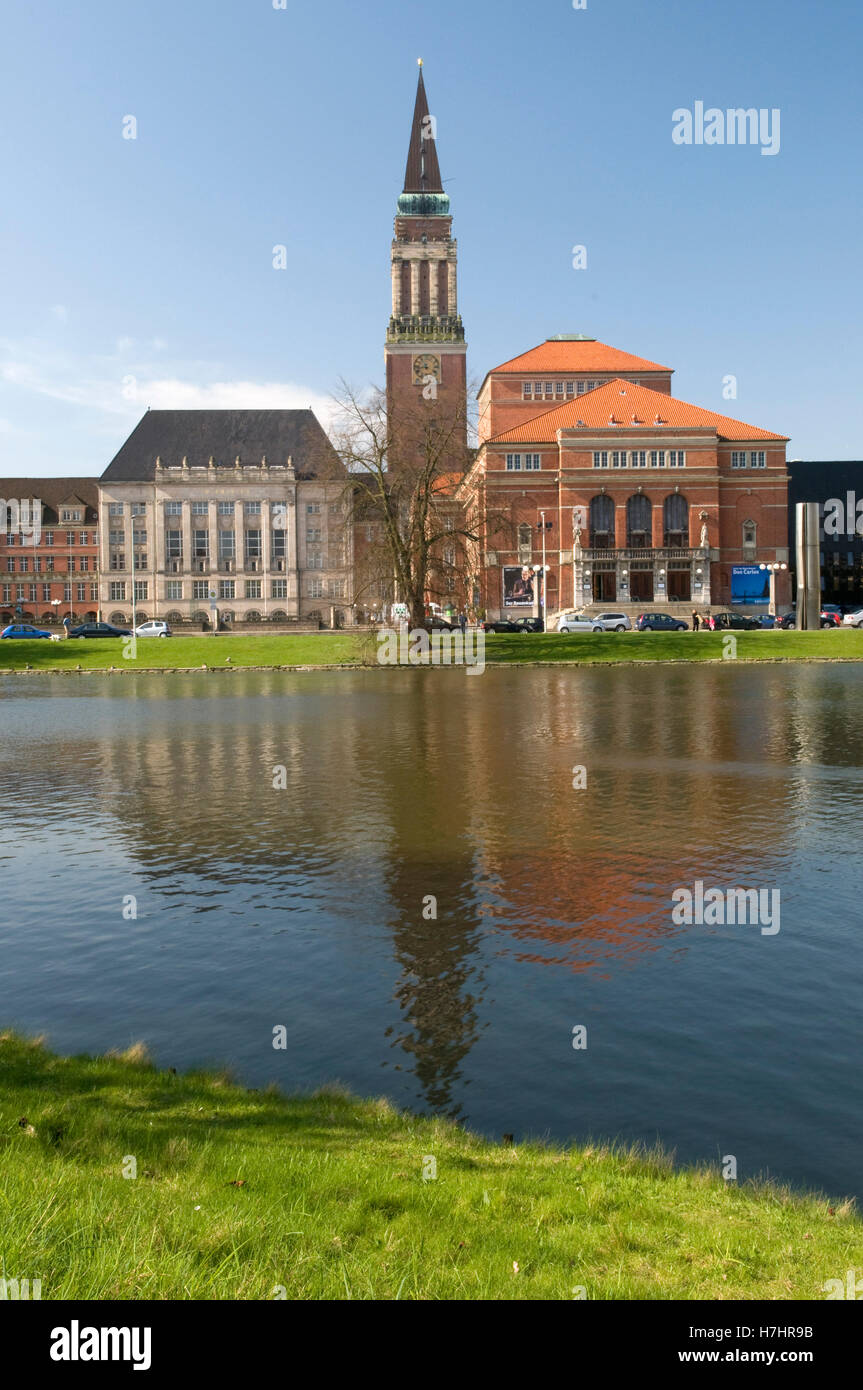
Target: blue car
x: 23, y: 630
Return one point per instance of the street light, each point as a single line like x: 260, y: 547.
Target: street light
x: 773, y: 568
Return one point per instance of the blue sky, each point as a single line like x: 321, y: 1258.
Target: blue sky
x: 140, y: 272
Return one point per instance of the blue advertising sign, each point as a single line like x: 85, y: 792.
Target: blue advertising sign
x: 749, y: 584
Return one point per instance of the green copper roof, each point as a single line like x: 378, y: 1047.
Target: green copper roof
x: 424, y: 205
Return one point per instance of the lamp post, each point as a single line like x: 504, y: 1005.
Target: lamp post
x: 773, y: 569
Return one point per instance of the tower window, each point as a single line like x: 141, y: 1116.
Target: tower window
x: 526, y: 390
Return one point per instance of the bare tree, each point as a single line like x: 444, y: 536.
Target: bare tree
x: 405, y: 468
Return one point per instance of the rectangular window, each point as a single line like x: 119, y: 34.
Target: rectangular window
x: 677, y: 458
x: 115, y: 508
x: 618, y: 458
x: 253, y: 588
x: 19, y: 590
x: 315, y: 560
x: 48, y: 537
x: 279, y: 539
x: 200, y: 588
x: 315, y: 588
x: 537, y: 388
x: 173, y: 545
x: 10, y: 539
x: 337, y: 588
x: 49, y: 562
x: 25, y: 564
x: 279, y: 588
x: 252, y: 508
x: 139, y: 538
x: 173, y: 509
x: 85, y: 563
x: 140, y: 589
x: 558, y: 388
x: 526, y: 391
x: 226, y: 545
x: 71, y: 564
x: 80, y: 590
x: 226, y: 588
x: 116, y: 590
x: 82, y: 538
x: 33, y: 591
x: 549, y: 388
x: 138, y: 508
x: 174, y: 589
x: 531, y: 461
x: 513, y: 463
x: 46, y: 592
x: 118, y: 560
x: 253, y: 545
x: 449, y: 556
x: 94, y: 592
x: 570, y: 388
x: 757, y: 460
x: 600, y: 459
x: 738, y: 460
x: 313, y: 508
x: 7, y: 592
x: 201, y: 544
x: 581, y: 387
x: 115, y: 537
x: 70, y: 537
x: 226, y: 509
x: 200, y: 509
x: 657, y: 458
x: 37, y: 564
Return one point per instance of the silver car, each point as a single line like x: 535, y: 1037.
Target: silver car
x: 613, y: 622
x: 854, y: 619
x: 578, y: 622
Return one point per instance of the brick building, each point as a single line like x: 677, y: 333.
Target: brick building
x: 49, y: 565
x: 642, y: 499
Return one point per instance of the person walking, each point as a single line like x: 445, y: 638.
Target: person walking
x: 694, y: 620
x: 462, y: 621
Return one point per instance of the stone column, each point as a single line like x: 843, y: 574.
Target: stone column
x: 239, y: 546
x: 452, y: 293
x: 415, y: 286
x: 397, y: 288
x: 213, y: 533
x: 266, y: 542
x: 186, y: 528
x: 434, y: 283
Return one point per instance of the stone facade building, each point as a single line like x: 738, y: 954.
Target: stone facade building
x: 241, y: 515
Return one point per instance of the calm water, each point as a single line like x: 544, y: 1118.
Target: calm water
x: 304, y: 906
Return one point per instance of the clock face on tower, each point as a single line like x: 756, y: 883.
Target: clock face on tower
x: 426, y: 365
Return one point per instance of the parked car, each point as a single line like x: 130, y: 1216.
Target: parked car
x: 513, y: 625
x: 578, y: 622
x: 833, y: 608
x: 614, y: 622
x: 154, y: 628
x: 659, y: 622
x: 828, y: 619
x: 741, y: 621
x: 769, y: 620
x: 99, y: 630
x: 23, y: 630
x: 435, y: 624
x: 854, y: 618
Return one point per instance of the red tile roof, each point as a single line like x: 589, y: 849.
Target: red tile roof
x: 622, y: 400
x: 577, y: 355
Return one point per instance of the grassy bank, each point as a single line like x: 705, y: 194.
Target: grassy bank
x: 357, y: 649
x: 238, y: 1192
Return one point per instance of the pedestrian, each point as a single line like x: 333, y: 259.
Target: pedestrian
x: 708, y: 621
x: 462, y: 621
x: 694, y: 620
x: 67, y: 623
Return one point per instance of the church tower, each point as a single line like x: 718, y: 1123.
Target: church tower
x: 425, y: 348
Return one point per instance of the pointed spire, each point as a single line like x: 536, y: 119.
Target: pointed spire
x: 422, y: 174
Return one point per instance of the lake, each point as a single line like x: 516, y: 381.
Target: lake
x: 430, y: 907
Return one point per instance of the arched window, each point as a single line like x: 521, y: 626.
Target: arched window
x: 750, y: 538
x: 676, y: 521
x: 639, y: 522
x: 601, y: 522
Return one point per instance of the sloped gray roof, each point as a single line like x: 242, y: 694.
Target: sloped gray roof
x: 223, y: 435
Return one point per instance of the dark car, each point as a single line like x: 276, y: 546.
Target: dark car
x: 829, y: 617
x: 659, y: 622
x: 722, y: 622
x: 99, y: 630
x: 769, y: 620
x: 439, y: 625
x: 23, y: 630
x: 514, y: 625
